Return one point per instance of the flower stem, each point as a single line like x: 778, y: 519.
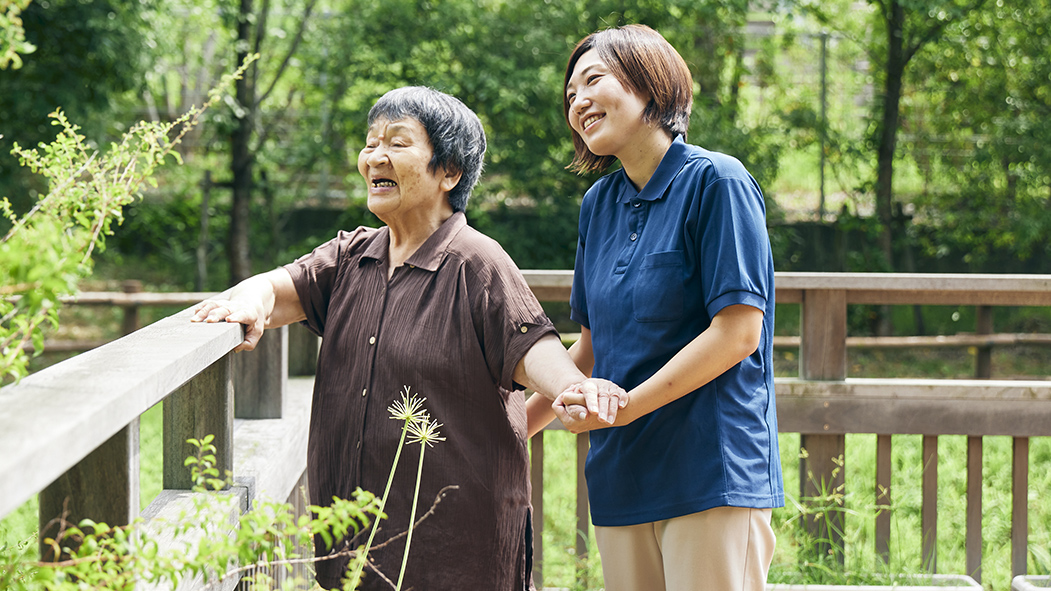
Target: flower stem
x: 364, y: 556
x: 412, y: 518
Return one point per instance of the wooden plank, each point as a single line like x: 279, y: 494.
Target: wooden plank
x: 261, y: 377
x: 822, y: 484
x: 203, y: 406
x: 823, y: 351
x: 271, y: 454
x: 104, y: 487
x: 974, y: 508
x: 536, y: 477
x: 583, y: 516
x: 983, y: 362
x: 87, y: 399
x: 1019, y: 506
x: 929, y: 507
x: 549, y: 286
x: 882, y: 406
x: 930, y: 341
x: 884, y: 465
x: 920, y: 283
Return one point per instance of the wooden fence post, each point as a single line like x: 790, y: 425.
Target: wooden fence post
x: 261, y: 377
x: 104, y: 487
x: 583, y: 515
x: 131, y: 322
x: 302, y: 350
x: 983, y: 361
x: 823, y: 356
x: 203, y: 406
x: 536, y: 477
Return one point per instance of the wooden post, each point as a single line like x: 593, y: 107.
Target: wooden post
x: 130, y: 323
x: 203, y: 406
x: 974, y: 508
x: 883, y: 479
x: 983, y: 362
x: 302, y: 350
x: 261, y: 377
x: 823, y: 356
x: 104, y: 487
x: 583, y: 518
x: 536, y: 477
x: 929, y: 508
x: 1019, y: 506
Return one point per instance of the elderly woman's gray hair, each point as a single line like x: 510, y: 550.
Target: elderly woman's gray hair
x: 455, y: 132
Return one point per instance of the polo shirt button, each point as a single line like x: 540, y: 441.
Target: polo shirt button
x: 372, y: 340
x: 633, y: 236
x: 525, y: 328
x: 636, y: 204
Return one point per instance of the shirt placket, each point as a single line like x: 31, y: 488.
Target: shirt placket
x: 636, y: 218
x: 372, y: 337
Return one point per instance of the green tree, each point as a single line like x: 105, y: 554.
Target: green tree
x: 87, y: 59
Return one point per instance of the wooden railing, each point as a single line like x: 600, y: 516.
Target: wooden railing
x: 62, y: 427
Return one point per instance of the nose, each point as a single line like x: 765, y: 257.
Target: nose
x: 377, y: 156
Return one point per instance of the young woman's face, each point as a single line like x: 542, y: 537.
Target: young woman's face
x: 606, y: 114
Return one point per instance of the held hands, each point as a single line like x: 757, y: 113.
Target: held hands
x: 591, y: 404
x: 233, y: 311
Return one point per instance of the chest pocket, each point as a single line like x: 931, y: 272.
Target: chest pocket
x: 658, y: 289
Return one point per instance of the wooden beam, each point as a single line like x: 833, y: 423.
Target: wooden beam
x: 536, y: 477
x: 1019, y: 506
x: 974, y: 508
x: 929, y: 506
x: 203, y: 406
x: 884, y: 466
x: 103, y: 487
x: 261, y: 377
x: 86, y: 400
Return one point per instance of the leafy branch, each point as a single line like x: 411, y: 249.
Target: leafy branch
x: 48, y: 249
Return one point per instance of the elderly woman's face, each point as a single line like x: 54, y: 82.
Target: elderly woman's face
x: 394, y: 163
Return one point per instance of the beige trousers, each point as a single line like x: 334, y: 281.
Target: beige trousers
x: 721, y: 549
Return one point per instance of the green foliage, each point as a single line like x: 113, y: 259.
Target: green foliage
x: 12, y: 35
x: 49, y: 248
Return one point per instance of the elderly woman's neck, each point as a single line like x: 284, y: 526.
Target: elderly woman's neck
x: 408, y: 235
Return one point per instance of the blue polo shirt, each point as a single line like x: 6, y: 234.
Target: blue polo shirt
x: 652, y: 270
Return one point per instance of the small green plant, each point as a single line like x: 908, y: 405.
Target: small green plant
x: 260, y: 542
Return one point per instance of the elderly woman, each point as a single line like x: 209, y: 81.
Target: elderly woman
x: 425, y: 302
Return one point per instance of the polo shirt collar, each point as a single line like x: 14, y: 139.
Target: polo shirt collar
x: 670, y: 165
x: 430, y: 254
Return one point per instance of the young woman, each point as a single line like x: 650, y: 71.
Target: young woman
x: 674, y: 291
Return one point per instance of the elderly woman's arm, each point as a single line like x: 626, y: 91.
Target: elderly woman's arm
x: 549, y: 370
x: 539, y: 412
x: 267, y: 300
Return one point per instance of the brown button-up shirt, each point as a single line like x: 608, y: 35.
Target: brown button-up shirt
x: 451, y: 324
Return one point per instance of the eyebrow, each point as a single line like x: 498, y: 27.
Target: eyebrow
x: 583, y: 74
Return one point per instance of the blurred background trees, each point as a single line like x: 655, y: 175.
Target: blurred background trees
x: 929, y: 156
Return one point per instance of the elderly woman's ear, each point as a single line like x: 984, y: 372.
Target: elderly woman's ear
x: 451, y: 179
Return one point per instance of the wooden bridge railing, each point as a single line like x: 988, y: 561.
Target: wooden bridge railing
x: 87, y: 408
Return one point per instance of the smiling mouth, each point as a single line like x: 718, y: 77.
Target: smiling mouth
x: 587, y: 122
x: 383, y: 183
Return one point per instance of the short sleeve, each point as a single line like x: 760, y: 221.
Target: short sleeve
x: 315, y: 275
x: 733, y: 244
x: 507, y: 316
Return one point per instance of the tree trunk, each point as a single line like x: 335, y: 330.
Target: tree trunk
x: 241, y: 161
x: 889, y: 122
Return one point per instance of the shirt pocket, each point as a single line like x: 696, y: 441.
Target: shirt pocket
x: 659, y: 290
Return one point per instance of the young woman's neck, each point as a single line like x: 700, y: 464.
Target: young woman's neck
x: 642, y: 158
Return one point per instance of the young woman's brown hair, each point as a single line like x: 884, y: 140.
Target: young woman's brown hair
x: 643, y: 61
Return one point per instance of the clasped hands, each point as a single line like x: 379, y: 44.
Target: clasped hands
x: 591, y: 404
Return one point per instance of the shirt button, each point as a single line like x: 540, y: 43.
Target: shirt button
x: 636, y: 204
x: 364, y: 390
x: 633, y: 236
x: 525, y: 328
x: 372, y: 340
